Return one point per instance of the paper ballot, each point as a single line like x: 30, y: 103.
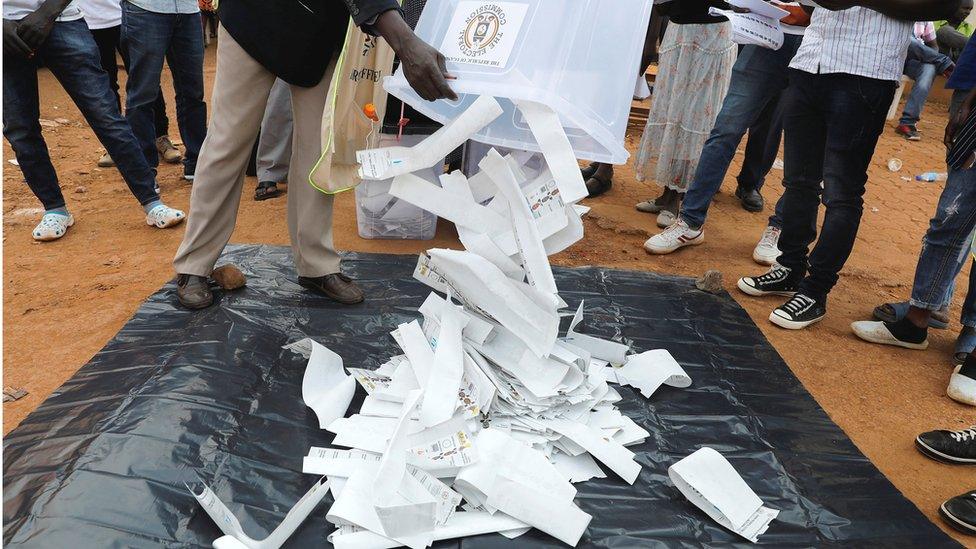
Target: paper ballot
x: 708, y: 480
x: 326, y: 388
x: 229, y: 524
x: 760, y: 26
x: 390, y: 162
x: 648, y: 371
x: 611, y: 351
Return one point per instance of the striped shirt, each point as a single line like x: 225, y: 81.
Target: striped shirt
x: 963, y: 144
x: 856, y: 41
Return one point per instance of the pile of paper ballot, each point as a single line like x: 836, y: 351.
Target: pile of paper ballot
x: 490, y: 414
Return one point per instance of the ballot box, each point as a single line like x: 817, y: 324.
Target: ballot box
x: 380, y: 215
x: 577, y: 57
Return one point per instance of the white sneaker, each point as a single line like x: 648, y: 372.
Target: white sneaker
x: 875, y: 331
x: 163, y: 216
x: 962, y: 388
x: 666, y: 218
x: 52, y: 227
x: 767, y: 250
x: 106, y: 161
x: 676, y: 236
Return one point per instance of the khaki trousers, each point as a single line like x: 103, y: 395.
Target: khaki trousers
x: 240, y: 93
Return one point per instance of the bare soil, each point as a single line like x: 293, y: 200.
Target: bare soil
x: 63, y: 301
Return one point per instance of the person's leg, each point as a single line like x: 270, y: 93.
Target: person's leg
x: 855, y: 109
x: 309, y: 211
x: 749, y: 92
x: 919, y: 94
x: 274, y: 145
x: 145, y: 38
x: 72, y: 56
x: 21, y: 112
x: 160, y: 119
x: 240, y: 92
x: 185, y: 58
x: 107, y: 41
x: 805, y: 135
x: 764, y: 135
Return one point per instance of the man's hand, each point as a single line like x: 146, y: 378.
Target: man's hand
x: 424, y: 66
x: 956, y: 122
x: 12, y: 42
x: 35, y: 28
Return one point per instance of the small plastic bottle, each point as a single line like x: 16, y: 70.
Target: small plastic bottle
x: 930, y: 177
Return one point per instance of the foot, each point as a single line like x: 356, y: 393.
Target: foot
x: 666, y: 218
x: 266, y: 190
x: 650, y: 206
x: 193, y: 291
x: 777, y: 281
x: 949, y: 446
x: 336, y: 286
x: 962, y: 386
x: 167, y: 151
x: 767, y: 250
x: 798, y: 313
x: 106, y: 161
x: 965, y: 343
x: 163, y: 216
x: 900, y: 334
x: 52, y: 227
x: 676, y: 236
x: 909, y: 132
x: 960, y: 512
x: 893, y: 312
x: 751, y: 200
x: 189, y: 172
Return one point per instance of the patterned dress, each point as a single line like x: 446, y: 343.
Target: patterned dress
x: 693, y: 76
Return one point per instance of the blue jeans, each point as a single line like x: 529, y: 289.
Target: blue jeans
x: 832, y: 124
x: 921, y: 65
x: 946, y: 244
x: 72, y: 57
x: 758, y: 78
x: 150, y: 38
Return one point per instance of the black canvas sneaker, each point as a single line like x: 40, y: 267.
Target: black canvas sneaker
x: 960, y: 512
x: 949, y: 446
x: 798, y: 313
x: 775, y: 282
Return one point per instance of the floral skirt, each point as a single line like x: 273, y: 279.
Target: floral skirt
x: 694, y: 69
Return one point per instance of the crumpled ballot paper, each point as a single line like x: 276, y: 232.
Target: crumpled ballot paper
x: 489, y: 415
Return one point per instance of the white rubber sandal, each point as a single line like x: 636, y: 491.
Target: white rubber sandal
x: 876, y: 332
x: 163, y: 216
x: 52, y: 227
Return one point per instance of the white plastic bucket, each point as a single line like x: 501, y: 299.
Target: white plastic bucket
x: 579, y: 57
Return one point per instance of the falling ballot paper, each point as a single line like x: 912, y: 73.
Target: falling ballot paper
x: 760, y: 26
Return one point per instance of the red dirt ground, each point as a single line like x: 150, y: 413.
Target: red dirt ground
x: 64, y: 300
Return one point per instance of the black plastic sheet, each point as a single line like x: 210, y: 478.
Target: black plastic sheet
x: 102, y: 462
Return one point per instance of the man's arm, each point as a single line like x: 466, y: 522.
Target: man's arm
x: 906, y: 10
x: 34, y: 28
x: 959, y: 119
x: 950, y: 39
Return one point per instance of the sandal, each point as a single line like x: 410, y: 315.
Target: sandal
x: 893, y: 312
x: 266, y: 190
x: 590, y: 170
x: 965, y: 343
x: 597, y: 185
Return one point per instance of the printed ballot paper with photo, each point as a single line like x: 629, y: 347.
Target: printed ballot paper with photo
x: 577, y: 58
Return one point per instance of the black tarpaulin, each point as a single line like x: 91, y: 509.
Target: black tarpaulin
x: 102, y: 462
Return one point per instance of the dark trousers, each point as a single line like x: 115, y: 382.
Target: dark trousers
x: 832, y: 123
x: 71, y: 55
x: 149, y: 39
x: 109, y: 42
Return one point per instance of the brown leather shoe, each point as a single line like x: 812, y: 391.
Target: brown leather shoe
x: 336, y: 286
x: 193, y: 291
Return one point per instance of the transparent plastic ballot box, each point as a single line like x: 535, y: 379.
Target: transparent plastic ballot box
x: 579, y: 57
x: 380, y: 215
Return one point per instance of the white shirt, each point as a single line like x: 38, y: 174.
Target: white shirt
x: 854, y: 41
x: 101, y: 14
x: 19, y: 9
